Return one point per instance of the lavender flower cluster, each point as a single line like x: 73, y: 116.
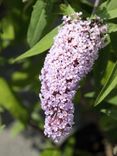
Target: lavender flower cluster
x: 70, y: 58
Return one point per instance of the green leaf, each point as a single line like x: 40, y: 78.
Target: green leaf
x: 108, y: 10
x: 89, y: 95
x: 113, y: 100
x: 7, y: 29
x: 109, y: 86
x: 112, y: 4
x: 43, y: 45
x: 51, y: 152
x: 112, y: 97
x: 99, y: 72
x: 41, y: 18
x: 112, y: 27
x: 107, y: 72
x: 66, y: 9
x: 11, y: 103
x: 112, y: 14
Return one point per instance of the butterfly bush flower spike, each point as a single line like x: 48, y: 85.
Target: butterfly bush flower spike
x: 70, y: 58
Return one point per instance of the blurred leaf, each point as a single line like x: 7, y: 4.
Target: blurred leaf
x: 43, y: 45
x: 19, y: 76
x: 7, y: 32
x: 112, y: 4
x: 113, y: 100
x: 36, y: 115
x: 111, y: 112
x: 66, y: 9
x: 7, y: 29
x: 108, y: 9
x: 17, y: 128
x: 41, y: 18
x: 11, y: 103
x: 1, y: 109
x: 112, y: 27
x: 89, y: 94
x: 89, y: 3
x: 2, y: 128
x: 51, y: 152
x: 109, y: 126
x: 24, y: 1
x: 109, y: 85
x: 68, y: 149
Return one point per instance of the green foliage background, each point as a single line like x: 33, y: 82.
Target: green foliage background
x: 27, y: 29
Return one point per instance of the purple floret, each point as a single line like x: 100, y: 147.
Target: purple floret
x: 70, y: 58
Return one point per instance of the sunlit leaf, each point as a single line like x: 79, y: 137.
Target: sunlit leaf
x: 112, y: 4
x: 41, y: 18
x: 66, y: 9
x: 43, y: 45
x: 108, y: 10
x: 112, y: 27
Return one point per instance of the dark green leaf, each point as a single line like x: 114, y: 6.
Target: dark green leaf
x: 111, y: 112
x: 99, y: 72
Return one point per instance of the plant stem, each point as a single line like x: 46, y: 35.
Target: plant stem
x: 95, y: 6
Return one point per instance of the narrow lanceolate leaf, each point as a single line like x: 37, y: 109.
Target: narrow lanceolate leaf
x: 41, y: 18
x: 43, y: 45
x: 109, y: 86
x: 108, y: 10
x: 11, y: 103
